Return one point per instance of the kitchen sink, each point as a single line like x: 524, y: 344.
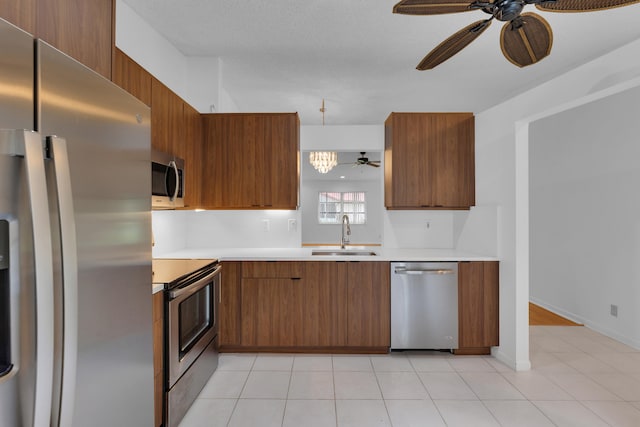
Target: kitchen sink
x: 343, y: 252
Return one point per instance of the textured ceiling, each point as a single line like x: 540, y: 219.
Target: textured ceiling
x: 287, y: 55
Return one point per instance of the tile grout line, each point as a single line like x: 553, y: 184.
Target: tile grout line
x: 241, y: 390
x: 286, y: 401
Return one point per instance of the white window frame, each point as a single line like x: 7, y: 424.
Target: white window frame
x: 348, y: 207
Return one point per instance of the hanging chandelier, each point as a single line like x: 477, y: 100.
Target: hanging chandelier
x: 323, y: 161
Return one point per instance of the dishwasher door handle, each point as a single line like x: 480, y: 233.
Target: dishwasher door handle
x: 419, y: 271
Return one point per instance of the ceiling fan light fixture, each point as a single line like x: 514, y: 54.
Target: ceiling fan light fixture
x: 323, y: 161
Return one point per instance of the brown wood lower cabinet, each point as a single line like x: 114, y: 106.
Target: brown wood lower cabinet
x: 478, y: 296
x: 158, y: 320
x: 338, y: 306
x: 369, y: 304
x: 325, y: 304
x: 305, y: 306
x: 272, y: 312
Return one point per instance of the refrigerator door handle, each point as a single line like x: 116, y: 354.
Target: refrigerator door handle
x: 57, y: 147
x: 28, y: 144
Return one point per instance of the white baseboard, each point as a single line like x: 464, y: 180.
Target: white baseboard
x: 516, y: 365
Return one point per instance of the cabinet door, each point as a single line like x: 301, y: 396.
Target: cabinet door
x: 478, y: 304
x: 368, y: 302
x: 229, y: 308
x: 429, y: 161
x: 131, y: 77
x: 158, y: 343
x: 20, y: 13
x: 452, y: 160
x: 250, y: 161
x: 407, y: 180
x: 166, y: 117
x: 228, y: 165
x: 279, y: 174
x: 272, y: 312
x: 325, y: 304
x: 191, y: 151
x: 81, y: 29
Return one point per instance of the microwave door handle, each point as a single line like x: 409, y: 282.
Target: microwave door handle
x: 194, y: 287
x: 172, y: 164
x: 58, y: 148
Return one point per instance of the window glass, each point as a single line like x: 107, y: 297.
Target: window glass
x: 333, y: 205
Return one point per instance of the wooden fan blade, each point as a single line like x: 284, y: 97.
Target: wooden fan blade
x: 375, y: 165
x: 526, y: 40
x: 431, y: 7
x: 582, y: 5
x: 453, y: 45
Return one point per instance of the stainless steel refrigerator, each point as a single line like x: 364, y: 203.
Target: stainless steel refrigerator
x: 76, y: 346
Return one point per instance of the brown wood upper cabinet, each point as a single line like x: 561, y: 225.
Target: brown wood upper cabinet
x: 21, y: 13
x: 429, y: 161
x: 81, y: 29
x: 251, y: 161
x: 478, y: 294
x: 176, y: 128
x: 131, y: 77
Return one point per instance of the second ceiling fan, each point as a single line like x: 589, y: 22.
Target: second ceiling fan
x: 526, y: 38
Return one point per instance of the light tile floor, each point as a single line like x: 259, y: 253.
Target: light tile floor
x: 579, y: 379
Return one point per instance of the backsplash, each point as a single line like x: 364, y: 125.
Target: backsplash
x: 175, y: 230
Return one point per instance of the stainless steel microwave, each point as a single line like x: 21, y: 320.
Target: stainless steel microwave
x: 167, y: 181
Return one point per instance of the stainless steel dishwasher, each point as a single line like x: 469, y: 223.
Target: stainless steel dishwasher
x: 424, y: 305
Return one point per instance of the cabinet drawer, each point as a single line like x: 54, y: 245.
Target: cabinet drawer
x: 269, y: 269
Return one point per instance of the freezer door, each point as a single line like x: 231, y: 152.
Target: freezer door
x: 107, y: 137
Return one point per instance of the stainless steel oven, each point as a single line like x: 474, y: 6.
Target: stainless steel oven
x: 192, y: 298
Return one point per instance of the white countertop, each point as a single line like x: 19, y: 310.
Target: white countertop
x: 304, y: 254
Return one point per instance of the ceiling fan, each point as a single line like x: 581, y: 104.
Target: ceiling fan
x: 526, y: 38
x: 362, y: 161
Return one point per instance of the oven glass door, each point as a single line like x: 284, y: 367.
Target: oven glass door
x: 196, y: 316
x: 192, y: 312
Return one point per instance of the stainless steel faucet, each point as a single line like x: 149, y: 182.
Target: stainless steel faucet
x: 343, y: 239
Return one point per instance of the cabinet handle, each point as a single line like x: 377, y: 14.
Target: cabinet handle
x: 295, y: 278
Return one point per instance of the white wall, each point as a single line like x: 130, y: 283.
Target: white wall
x: 197, y: 80
x: 203, y: 83
x: 169, y: 231
x: 502, y: 180
x: 584, y: 214
x: 175, y: 230
x: 136, y: 38
x: 313, y: 232
x: 242, y: 229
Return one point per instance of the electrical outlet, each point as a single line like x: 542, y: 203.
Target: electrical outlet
x: 293, y: 224
x: 614, y: 310
x: 266, y: 225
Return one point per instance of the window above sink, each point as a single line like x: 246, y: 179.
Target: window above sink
x: 320, y: 214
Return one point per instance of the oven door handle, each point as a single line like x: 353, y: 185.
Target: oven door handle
x: 194, y: 287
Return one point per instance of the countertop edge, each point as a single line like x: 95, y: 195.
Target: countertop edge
x: 304, y: 254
